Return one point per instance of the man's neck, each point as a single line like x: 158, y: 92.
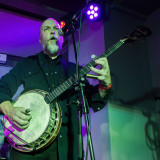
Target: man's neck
x: 51, y: 55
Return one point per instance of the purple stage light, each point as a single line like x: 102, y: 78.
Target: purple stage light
x: 91, y: 7
x: 88, y: 12
x: 96, y: 15
x: 96, y: 8
x: 91, y: 17
x: 93, y: 11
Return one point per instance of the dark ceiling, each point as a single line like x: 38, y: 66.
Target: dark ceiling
x: 144, y: 7
x: 17, y: 16
x: 141, y: 7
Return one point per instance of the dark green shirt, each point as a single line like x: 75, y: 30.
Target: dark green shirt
x: 40, y: 72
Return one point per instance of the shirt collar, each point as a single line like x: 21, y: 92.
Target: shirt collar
x: 55, y: 61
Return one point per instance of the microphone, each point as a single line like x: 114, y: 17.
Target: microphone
x: 70, y: 24
x: 64, y: 29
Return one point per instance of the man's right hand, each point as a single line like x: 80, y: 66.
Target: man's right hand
x: 17, y: 115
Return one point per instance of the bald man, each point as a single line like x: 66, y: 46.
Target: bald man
x: 45, y: 71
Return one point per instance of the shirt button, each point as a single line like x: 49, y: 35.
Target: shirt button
x: 98, y: 109
x: 29, y: 72
x: 46, y: 74
x: 60, y: 136
x: 55, y: 72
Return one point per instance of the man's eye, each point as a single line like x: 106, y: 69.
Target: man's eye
x: 47, y: 28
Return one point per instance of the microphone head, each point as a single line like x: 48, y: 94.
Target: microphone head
x: 60, y: 32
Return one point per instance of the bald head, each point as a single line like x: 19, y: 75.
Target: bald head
x: 47, y: 21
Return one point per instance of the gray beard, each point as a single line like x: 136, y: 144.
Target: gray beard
x: 52, y: 49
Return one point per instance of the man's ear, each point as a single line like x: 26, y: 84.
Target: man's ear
x: 40, y: 40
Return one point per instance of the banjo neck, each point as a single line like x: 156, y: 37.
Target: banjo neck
x: 139, y: 33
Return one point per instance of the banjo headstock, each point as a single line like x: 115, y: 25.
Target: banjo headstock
x: 140, y: 32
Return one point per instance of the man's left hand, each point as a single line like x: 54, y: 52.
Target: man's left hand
x: 104, y: 76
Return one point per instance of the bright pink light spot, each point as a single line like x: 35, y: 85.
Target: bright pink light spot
x: 91, y: 7
x: 88, y: 12
x: 95, y: 15
x: 92, y: 12
x: 91, y: 17
x: 96, y: 8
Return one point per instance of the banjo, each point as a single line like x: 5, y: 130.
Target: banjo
x: 46, y: 111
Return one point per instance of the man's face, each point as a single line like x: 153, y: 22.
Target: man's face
x: 49, y: 37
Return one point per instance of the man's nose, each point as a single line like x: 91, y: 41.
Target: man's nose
x: 52, y: 31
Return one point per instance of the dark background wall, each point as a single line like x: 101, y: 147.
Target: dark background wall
x: 130, y: 64
x: 135, y: 76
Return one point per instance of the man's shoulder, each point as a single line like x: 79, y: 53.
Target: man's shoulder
x: 27, y: 61
x: 30, y: 58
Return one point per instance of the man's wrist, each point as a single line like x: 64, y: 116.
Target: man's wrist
x: 104, y: 87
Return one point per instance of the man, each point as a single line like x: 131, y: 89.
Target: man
x: 45, y: 71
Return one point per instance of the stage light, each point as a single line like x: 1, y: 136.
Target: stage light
x: 91, y: 17
x: 91, y: 7
x: 96, y: 15
x: 95, y: 10
x: 62, y: 24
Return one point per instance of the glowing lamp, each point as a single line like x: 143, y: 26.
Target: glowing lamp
x: 62, y: 24
x: 95, y: 10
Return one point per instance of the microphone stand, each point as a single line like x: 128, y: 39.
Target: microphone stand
x: 85, y: 109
